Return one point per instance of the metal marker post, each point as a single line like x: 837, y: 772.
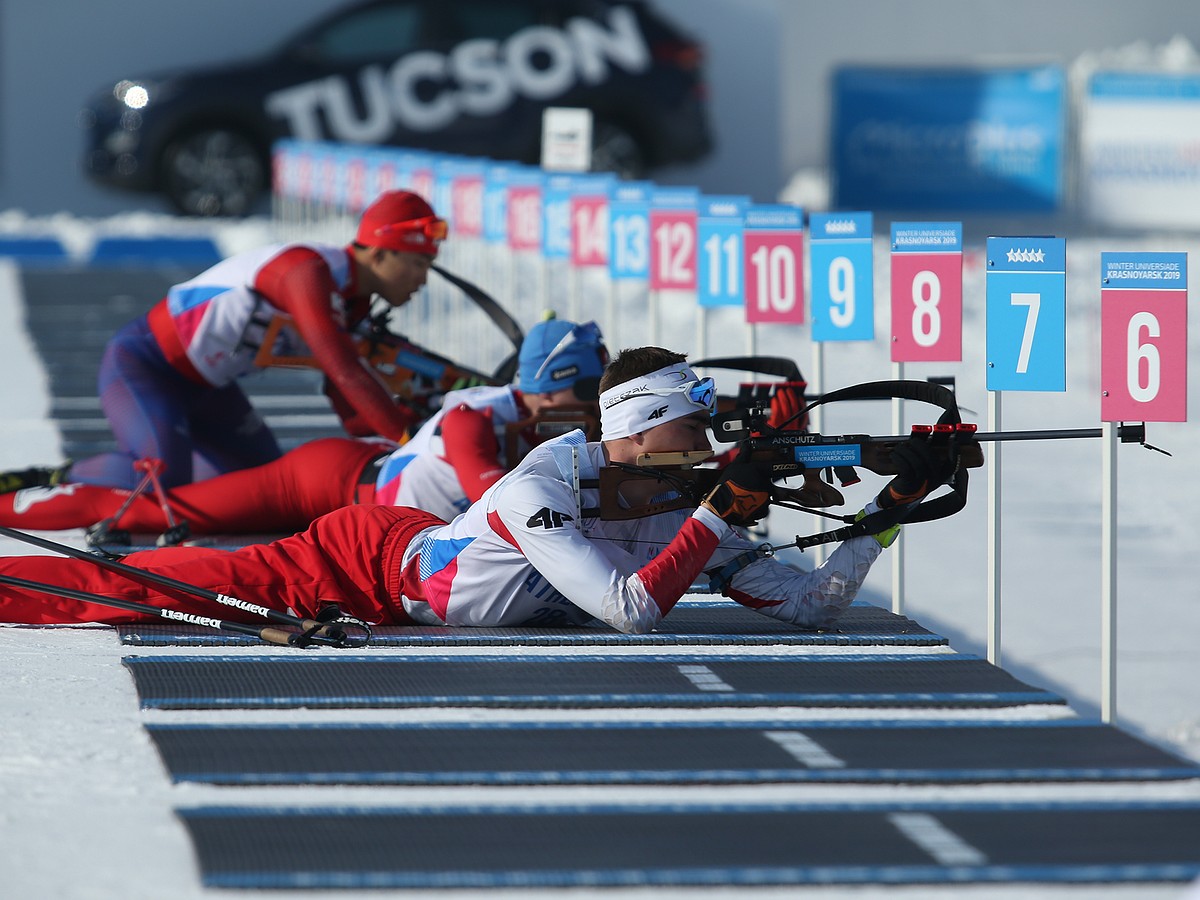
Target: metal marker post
x: 898, y: 547
x: 1026, y: 350
x: 1143, y: 378
x: 926, y: 294
x: 816, y: 424
x: 1108, y: 576
x: 993, y: 535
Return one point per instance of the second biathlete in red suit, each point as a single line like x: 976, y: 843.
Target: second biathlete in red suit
x: 451, y: 461
x: 169, y: 381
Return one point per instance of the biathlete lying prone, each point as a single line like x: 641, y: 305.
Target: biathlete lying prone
x: 539, y: 548
x: 447, y: 465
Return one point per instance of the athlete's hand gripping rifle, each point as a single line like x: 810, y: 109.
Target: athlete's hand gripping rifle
x: 787, y: 453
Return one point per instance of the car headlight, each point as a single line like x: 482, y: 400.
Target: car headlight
x: 133, y: 94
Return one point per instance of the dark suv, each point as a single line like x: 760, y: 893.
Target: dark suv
x: 468, y: 77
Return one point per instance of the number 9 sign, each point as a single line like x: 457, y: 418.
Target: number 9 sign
x: 843, y: 293
x: 1143, y: 337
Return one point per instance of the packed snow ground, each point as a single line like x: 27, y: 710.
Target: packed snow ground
x: 86, y: 808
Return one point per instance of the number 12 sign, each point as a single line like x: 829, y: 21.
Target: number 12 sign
x: 673, y: 239
x: 1026, y: 314
x: 926, y: 291
x: 1143, y: 337
x: 773, y: 260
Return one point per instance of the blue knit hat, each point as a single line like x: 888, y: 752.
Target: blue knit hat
x: 557, y: 354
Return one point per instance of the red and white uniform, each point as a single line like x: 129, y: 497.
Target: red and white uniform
x: 455, y: 456
x: 449, y: 463
x: 527, y: 555
x: 210, y: 327
x: 523, y: 555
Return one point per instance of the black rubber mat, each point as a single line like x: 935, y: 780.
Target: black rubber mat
x: 690, y: 623
x: 574, y: 681
x: 674, y: 753
x: 611, y: 845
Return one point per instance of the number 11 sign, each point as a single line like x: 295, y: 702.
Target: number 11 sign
x: 1143, y: 337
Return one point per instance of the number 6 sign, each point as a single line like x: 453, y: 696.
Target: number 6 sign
x: 1143, y: 337
x: 926, y: 291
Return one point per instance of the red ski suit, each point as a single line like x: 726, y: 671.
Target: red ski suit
x: 351, y: 556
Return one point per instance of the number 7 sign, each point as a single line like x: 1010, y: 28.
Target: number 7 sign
x: 1026, y: 314
x: 1143, y: 337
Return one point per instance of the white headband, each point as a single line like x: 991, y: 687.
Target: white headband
x: 648, y: 400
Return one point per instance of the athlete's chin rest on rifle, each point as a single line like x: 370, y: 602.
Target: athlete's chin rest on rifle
x: 540, y: 548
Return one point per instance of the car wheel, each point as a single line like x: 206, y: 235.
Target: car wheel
x: 213, y: 172
x: 615, y: 149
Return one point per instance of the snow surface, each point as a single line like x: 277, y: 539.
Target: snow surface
x: 86, y: 807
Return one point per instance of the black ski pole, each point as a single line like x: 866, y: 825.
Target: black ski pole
x: 270, y: 635
x: 140, y: 575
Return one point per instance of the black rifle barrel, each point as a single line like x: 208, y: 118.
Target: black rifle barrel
x: 1132, y: 433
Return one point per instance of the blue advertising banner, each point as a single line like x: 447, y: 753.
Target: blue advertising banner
x: 950, y: 139
x: 843, y: 284
x: 1026, y: 314
x: 629, y: 230
x: 719, y: 228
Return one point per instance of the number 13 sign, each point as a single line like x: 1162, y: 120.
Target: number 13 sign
x: 1143, y: 337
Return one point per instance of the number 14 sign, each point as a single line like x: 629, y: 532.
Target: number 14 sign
x: 1143, y: 337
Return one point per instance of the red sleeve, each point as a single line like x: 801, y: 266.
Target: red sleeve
x: 299, y: 283
x: 471, y: 448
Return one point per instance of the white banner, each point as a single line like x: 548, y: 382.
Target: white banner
x: 1140, y: 149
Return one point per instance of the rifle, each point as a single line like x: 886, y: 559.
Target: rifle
x: 790, y: 453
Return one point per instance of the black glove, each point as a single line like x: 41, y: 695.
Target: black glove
x: 919, y: 472
x: 743, y: 494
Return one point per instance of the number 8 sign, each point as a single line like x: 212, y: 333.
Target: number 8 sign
x: 1143, y: 337
x: 926, y: 291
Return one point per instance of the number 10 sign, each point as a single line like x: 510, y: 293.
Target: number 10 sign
x: 773, y: 260
x: 1143, y: 337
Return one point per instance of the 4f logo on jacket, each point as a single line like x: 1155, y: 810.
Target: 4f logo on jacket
x: 658, y: 413
x: 548, y: 518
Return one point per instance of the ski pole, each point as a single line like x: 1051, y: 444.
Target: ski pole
x: 141, y: 575
x: 270, y: 635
